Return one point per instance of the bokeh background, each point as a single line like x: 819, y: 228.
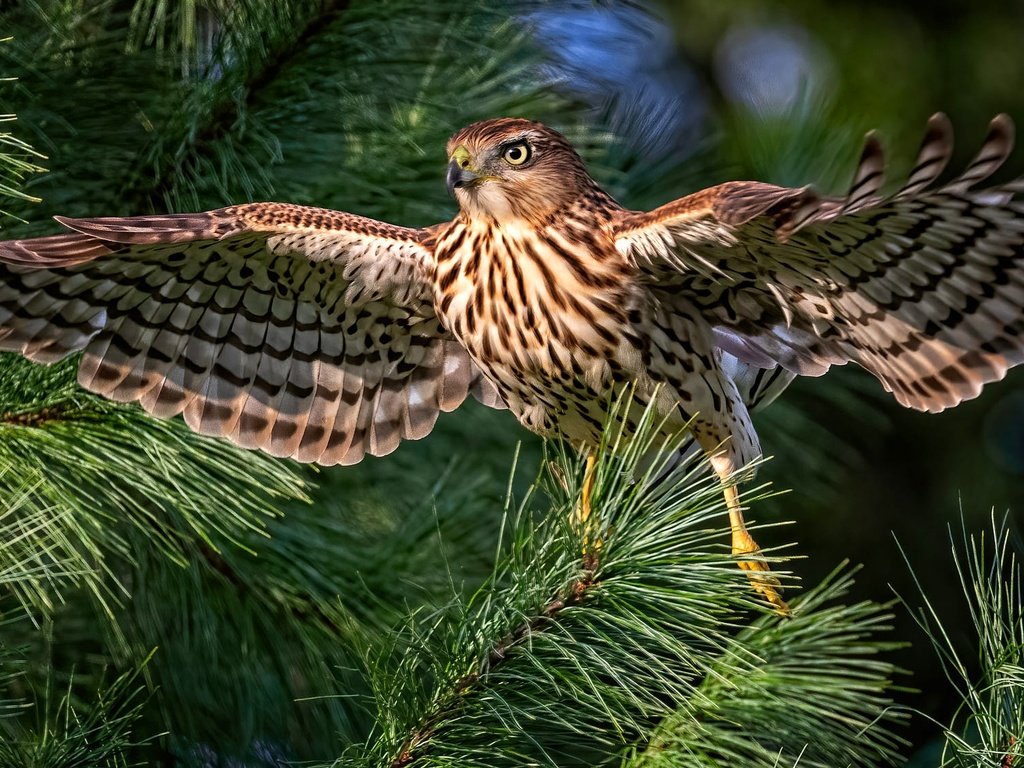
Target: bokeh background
x: 664, y: 99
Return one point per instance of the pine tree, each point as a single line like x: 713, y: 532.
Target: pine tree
x: 170, y: 600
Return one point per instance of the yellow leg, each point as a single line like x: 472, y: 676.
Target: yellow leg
x: 583, y: 513
x: 743, y: 544
x: 588, y: 488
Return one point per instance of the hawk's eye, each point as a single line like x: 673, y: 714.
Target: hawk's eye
x: 516, y: 154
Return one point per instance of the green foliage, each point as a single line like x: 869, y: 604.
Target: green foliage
x: 587, y: 640
x: 17, y: 161
x: 802, y: 692
x: 172, y: 536
x: 68, y: 733
x: 93, y: 466
x: 245, y: 130
x: 988, y: 728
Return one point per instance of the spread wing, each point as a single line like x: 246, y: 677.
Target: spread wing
x: 303, y: 332
x: 924, y: 288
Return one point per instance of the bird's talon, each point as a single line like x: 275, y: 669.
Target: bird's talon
x: 764, y: 582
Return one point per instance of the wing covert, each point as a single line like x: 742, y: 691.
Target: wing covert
x: 303, y: 332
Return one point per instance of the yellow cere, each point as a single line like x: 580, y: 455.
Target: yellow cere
x: 461, y: 156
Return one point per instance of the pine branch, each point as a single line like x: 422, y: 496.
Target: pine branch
x: 98, y: 734
x: 516, y: 676
x: 224, y: 113
x: 499, y: 652
x: 93, y: 460
x: 34, y: 418
x: 989, y: 724
x: 811, y: 691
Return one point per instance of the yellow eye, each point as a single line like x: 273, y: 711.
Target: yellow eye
x: 516, y: 154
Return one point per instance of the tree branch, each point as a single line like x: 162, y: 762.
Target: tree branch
x: 414, y: 746
x: 34, y: 418
x: 224, y: 114
x: 1010, y: 754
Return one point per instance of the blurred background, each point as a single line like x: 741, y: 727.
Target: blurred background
x: 148, y: 106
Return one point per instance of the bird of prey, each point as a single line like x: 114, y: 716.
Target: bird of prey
x: 322, y: 336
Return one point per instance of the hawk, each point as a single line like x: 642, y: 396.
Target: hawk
x: 323, y: 336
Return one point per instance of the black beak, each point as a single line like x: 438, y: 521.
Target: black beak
x: 458, y: 177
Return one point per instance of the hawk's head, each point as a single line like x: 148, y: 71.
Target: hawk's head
x: 514, y: 168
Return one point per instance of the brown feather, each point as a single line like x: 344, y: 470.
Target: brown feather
x: 263, y: 323
x: 925, y: 289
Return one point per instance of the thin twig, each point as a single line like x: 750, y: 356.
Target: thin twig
x: 34, y: 418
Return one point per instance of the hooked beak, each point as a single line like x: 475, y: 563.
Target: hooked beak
x: 458, y: 176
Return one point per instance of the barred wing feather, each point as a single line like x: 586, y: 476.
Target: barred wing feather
x: 303, y: 332
x: 924, y: 288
